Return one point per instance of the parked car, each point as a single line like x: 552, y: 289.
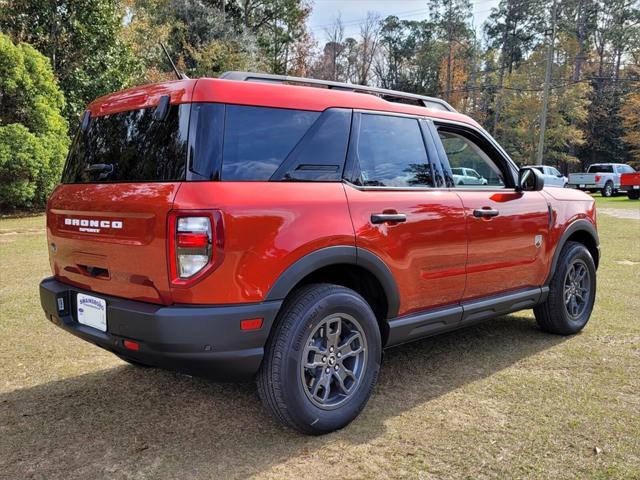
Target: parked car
x: 467, y: 176
x: 630, y: 182
x: 552, y: 177
x: 256, y: 226
x: 602, y: 177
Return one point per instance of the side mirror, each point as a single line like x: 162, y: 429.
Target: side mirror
x: 530, y: 180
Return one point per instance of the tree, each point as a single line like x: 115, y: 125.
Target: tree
x: 367, y: 47
x: 512, y: 30
x: 280, y: 25
x: 200, y: 37
x: 630, y: 114
x: 33, y: 131
x: 615, y: 34
x: 81, y: 38
x: 520, y: 129
x: 451, y: 18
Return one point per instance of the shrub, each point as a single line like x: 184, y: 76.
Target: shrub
x: 33, y: 132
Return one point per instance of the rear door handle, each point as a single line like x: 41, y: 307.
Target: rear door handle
x: 388, y: 217
x: 485, y: 212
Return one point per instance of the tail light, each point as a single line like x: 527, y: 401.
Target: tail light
x: 598, y: 177
x: 196, y: 240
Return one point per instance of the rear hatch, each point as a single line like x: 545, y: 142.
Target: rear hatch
x: 107, y: 221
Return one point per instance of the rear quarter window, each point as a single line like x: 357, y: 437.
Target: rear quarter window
x: 258, y: 139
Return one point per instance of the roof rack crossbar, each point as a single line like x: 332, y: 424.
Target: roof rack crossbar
x: 429, y: 102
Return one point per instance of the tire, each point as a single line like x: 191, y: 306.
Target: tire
x: 607, y: 191
x: 303, y: 330
x: 564, y: 318
x: 633, y: 194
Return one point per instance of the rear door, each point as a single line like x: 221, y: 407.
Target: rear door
x: 418, y: 231
x: 507, y: 230
x: 106, y: 223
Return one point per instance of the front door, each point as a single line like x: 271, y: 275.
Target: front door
x: 418, y: 232
x: 507, y: 230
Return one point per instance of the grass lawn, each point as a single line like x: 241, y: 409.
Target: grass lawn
x: 498, y: 400
x: 619, y: 201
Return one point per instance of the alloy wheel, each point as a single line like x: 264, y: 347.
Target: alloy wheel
x: 334, y: 361
x: 576, y: 288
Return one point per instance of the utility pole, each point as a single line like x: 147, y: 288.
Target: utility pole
x: 547, y: 85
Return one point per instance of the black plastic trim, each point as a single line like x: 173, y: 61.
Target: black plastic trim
x: 203, y: 340
x: 577, y: 226
x: 431, y: 322
x: 162, y: 109
x: 337, y: 255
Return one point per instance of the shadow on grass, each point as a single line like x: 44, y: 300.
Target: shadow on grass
x: 127, y: 421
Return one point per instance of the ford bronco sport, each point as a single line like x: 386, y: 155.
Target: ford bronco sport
x: 291, y: 229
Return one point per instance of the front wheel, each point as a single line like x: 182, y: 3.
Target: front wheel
x: 607, y: 191
x: 322, y: 360
x: 572, y: 292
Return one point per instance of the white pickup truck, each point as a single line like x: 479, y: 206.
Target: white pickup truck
x: 602, y: 177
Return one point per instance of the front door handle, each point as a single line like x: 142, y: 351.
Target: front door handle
x: 485, y: 212
x: 388, y: 217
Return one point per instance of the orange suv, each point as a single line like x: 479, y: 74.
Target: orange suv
x: 291, y: 229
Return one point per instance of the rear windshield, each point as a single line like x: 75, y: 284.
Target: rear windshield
x: 600, y: 169
x: 132, y: 146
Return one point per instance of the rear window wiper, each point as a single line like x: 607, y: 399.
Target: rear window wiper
x: 105, y: 169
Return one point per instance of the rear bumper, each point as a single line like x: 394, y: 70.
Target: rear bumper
x: 201, y: 340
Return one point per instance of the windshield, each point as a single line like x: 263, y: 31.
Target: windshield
x: 132, y: 146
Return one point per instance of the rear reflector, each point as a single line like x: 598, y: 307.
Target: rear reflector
x: 251, y: 324
x: 193, y: 240
x: 131, y: 345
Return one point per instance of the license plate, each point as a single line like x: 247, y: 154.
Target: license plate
x: 636, y: 187
x: 582, y: 185
x: 92, y: 311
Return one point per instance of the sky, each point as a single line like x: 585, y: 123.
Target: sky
x: 353, y: 11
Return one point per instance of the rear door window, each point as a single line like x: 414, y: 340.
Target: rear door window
x: 258, y: 139
x: 131, y: 146
x: 390, y: 152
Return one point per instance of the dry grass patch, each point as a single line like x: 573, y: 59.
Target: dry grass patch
x: 498, y: 400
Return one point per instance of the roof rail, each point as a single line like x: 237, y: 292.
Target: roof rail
x: 389, y: 95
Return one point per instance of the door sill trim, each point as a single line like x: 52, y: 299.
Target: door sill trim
x: 444, y: 319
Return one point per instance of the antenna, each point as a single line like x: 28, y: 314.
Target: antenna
x: 181, y: 76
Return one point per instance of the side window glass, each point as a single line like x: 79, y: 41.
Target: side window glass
x: 320, y: 155
x: 391, y: 153
x: 463, y: 153
x: 258, y: 139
